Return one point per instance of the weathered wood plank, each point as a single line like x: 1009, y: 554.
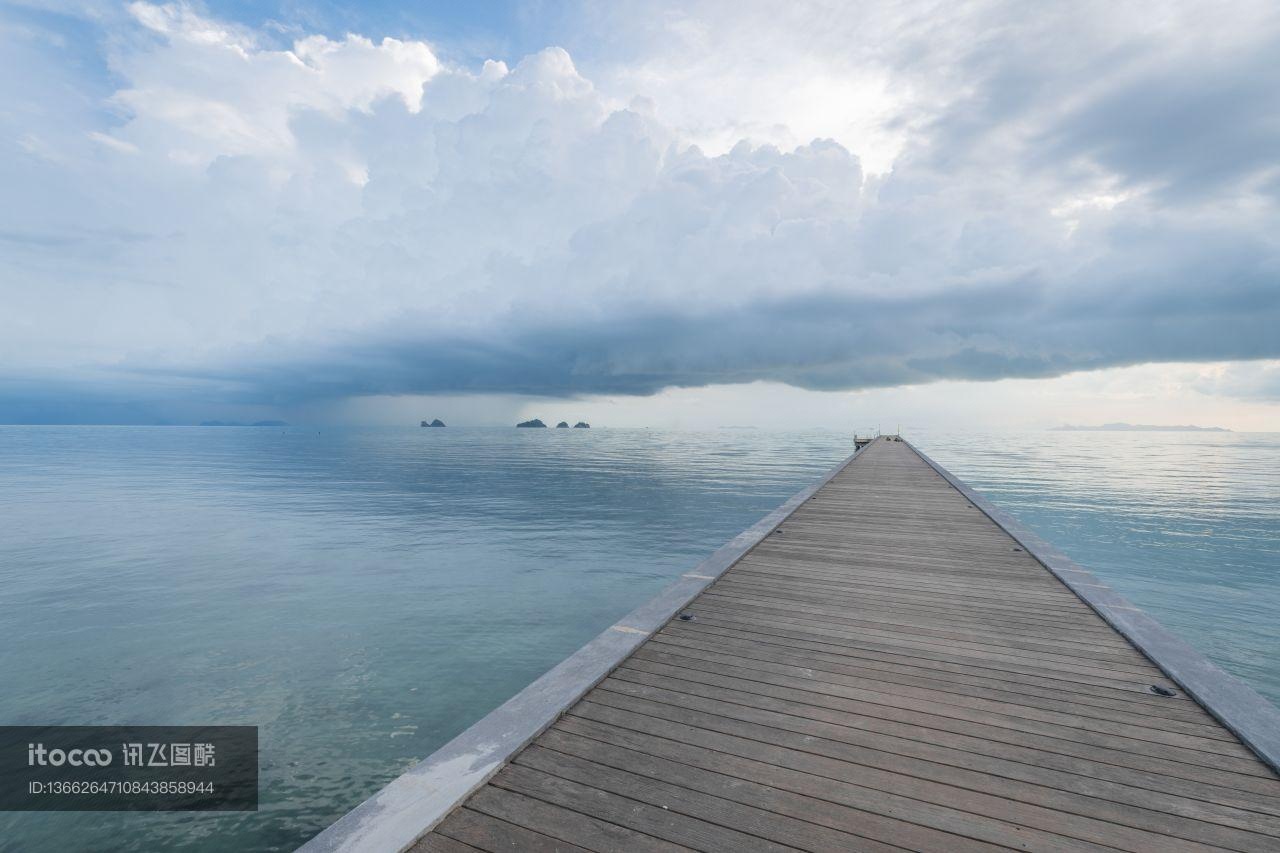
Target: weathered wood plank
x: 787, y: 769
x: 849, y: 684
x: 759, y: 810
x: 1176, y: 797
x: 435, y: 843
x: 1037, y: 693
x: 808, y: 801
x: 484, y: 832
x: 556, y: 821
x: 634, y: 809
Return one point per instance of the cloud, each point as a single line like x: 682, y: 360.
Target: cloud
x: 242, y: 222
x: 205, y: 89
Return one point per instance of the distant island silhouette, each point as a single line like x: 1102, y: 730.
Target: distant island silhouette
x: 582, y: 425
x: 535, y: 423
x: 240, y: 423
x: 1122, y: 427
x: 562, y: 425
x: 436, y: 423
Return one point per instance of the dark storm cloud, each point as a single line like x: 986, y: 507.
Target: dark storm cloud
x: 1020, y: 328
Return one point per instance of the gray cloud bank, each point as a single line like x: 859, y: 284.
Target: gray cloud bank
x: 248, y: 223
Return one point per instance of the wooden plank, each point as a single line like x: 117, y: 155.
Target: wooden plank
x: 986, y: 621
x: 821, y: 715
x: 839, y: 640
x: 1175, y: 797
x: 802, y: 819
x: 556, y: 821
x: 891, y: 771
x: 770, y: 607
x: 777, y: 659
x: 762, y: 669
x: 484, y: 832
x: 635, y: 809
x: 815, y: 775
x: 928, y: 659
x: 994, y: 657
x: 442, y: 844
x: 752, y: 676
x: 761, y: 811
x: 947, y: 608
x: 887, y: 670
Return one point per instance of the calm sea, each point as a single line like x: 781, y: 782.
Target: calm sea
x: 364, y: 595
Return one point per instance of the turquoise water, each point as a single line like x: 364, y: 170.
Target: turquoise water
x: 364, y: 595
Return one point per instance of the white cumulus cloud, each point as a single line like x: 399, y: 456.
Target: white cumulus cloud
x: 207, y: 89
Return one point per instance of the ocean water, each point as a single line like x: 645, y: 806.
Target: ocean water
x: 362, y: 595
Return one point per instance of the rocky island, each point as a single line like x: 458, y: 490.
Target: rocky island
x: 436, y: 423
x: 533, y: 423
x: 562, y: 425
x: 582, y: 425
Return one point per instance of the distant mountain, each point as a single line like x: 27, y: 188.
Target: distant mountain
x: 533, y: 423
x: 436, y: 423
x: 1120, y: 427
x: 240, y: 423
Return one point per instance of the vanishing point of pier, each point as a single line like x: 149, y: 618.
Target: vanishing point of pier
x: 884, y: 664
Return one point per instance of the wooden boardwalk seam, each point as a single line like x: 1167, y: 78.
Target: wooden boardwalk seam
x: 888, y: 670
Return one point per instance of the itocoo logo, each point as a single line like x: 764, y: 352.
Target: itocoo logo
x: 37, y: 754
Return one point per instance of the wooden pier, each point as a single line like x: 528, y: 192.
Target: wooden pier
x: 887, y: 670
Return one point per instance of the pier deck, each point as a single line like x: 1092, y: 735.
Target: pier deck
x: 888, y: 670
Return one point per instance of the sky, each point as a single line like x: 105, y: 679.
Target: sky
x: 694, y: 213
